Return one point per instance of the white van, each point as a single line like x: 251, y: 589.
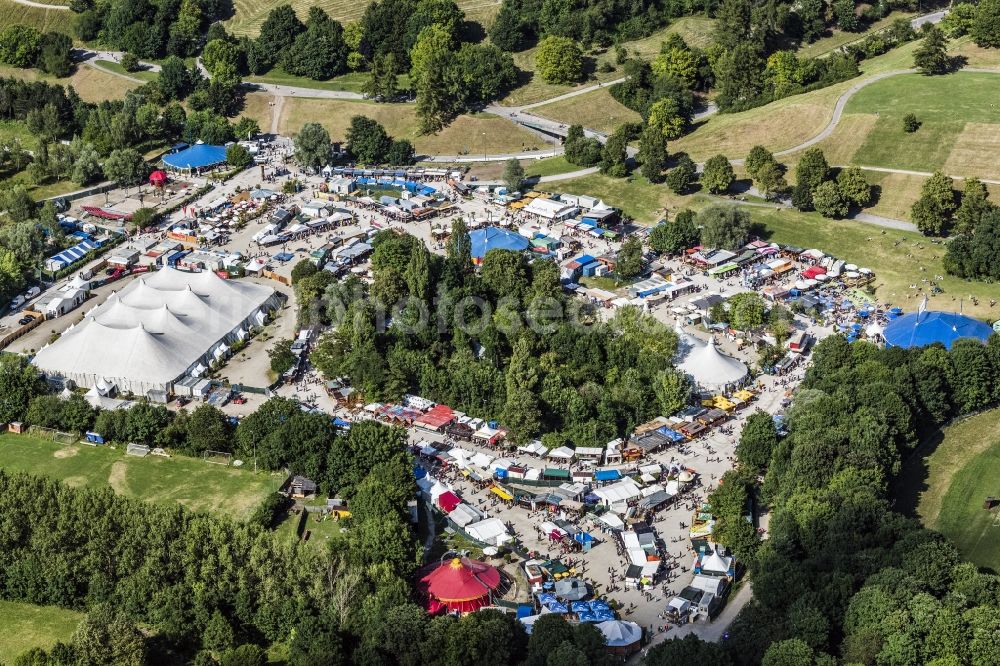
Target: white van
x: 17, y: 302
x: 32, y: 292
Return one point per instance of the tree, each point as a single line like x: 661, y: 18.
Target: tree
x: 55, y: 54
x: 910, y: 123
x: 932, y: 211
x: 791, y: 652
x: 400, y: 153
x: 672, y: 391
x: 106, y: 637
x: 20, y: 45
x: 757, y: 442
x: 653, y: 153
x: 974, y: 205
x: 431, y: 67
x: 682, y: 176
x: 931, y: 57
x: 746, y: 311
x: 282, y: 358
x: 238, y: 157
x: 718, y: 175
x: 507, y: 30
x: 208, y: 430
x: 246, y: 128
x: 629, y: 261
x: 382, y: 84
x: 770, y: 179
x: 312, y: 145
x: 218, y: 635
x: 756, y: 159
x: 221, y: 57
x: 828, y: 200
x: 521, y: 412
x: 278, y: 33
x: 175, y: 80
x: 985, y: 28
x: 615, y: 152
x: 812, y: 169
x: 513, y: 175
x: 303, y: 269
x: 687, y: 650
x: 802, y: 197
x: 125, y: 166
x: 724, y: 227
x: 367, y: 140
x: 959, y: 20
x: 853, y: 186
x: 666, y: 116
x: 579, y: 149
x: 144, y: 218
x: 559, y: 60
x: 320, y: 52
x: 676, y: 236
x: 846, y: 13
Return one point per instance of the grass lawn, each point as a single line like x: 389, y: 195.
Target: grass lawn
x: 838, y: 38
x: 951, y: 480
x: 477, y: 133
x: 115, y: 67
x: 596, y: 110
x: 960, y: 124
x: 351, y: 82
x: 197, y: 485
x: 44, y: 19
x: 28, y: 626
x: 91, y: 83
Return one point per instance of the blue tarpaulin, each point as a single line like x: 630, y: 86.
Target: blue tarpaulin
x: 672, y: 434
x: 583, y: 538
x: 607, y: 475
x: 70, y: 256
x: 524, y: 610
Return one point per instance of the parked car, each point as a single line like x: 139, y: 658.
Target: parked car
x: 17, y: 302
x: 25, y: 320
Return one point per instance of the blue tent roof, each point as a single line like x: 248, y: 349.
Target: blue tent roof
x: 918, y: 330
x: 494, y: 238
x: 196, y: 157
x: 607, y: 475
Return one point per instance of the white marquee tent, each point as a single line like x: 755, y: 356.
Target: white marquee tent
x: 156, y: 330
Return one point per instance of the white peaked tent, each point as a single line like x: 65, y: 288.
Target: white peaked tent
x: 711, y: 369
x: 713, y: 563
x: 686, y: 343
x: 620, y: 634
x: 155, y: 331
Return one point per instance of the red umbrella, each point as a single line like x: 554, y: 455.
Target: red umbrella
x: 158, y: 178
x: 462, y: 585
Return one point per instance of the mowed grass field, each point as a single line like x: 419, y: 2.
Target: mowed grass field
x: 960, y: 472
x: 596, y: 110
x: 43, y: 19
x: 478, y: 133
x: 91, y: 83
x: 27, y: 626
x: 959, y: 116
x: 193, y: 483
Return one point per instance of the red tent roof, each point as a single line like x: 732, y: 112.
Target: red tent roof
x: 813, y: 271
x: 462, y: 585
x: 158, y: 178
x: 438, y: 417
x: 448, y: 501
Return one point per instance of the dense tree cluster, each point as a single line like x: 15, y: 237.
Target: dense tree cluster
x: 501, y: 343
x: 976, y: 253
x: 520, y: 22
x: 842, y: 574
x: 149, y: 29
x: 25, y: 46
x: 830, y: 192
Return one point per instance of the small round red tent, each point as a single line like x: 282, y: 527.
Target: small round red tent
x: 461, y: 585
x: 158, y: 178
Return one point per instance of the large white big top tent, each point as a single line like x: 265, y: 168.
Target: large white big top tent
x: 711, y: 369
x: 157, y: 330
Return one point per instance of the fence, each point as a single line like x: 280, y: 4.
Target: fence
x: 24, y: 330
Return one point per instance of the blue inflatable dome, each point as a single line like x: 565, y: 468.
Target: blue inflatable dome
x: 495, y: 238
x: 198, y: 156
x: 926, y: 328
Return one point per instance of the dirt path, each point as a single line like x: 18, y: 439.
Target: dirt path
x: 42, y: 5
x: 277, y: 106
